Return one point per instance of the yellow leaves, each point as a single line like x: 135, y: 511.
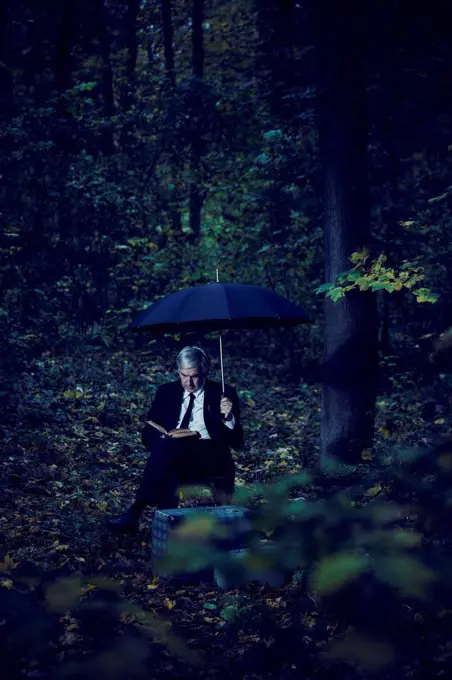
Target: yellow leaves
x: 310, y: 620
x: 127, y: 617
x: 274, y: 603
x: 169, y: 604
x: 7, y: 564
x: 72, y: 626
x: 367, y: 454
x: 385, y: 432
x: 59, y: 547
x: 7, y: 583
x: 73, y: 394
x: 360, y: 256
x: 88, y: 589
x: 374, y: 490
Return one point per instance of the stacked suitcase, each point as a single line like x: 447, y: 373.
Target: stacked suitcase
x: 236, y: 519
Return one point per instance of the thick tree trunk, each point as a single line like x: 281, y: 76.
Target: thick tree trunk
x: 350, y: 337
x: 197, y: 195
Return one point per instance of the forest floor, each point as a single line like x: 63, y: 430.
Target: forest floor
x: 72, y: 456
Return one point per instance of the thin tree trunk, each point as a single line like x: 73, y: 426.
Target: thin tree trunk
x: 107, y: 144
x: 168, y: 41
x: 197, y: 194
x: 65, y: 42
x: 6, y: 76
x: 67, y: 37
x: 277, y: 23
x: 350, y: 336
x: 128, y: 91
x: 198, y: 39
x: 386, y: 23
x: 174, y: 203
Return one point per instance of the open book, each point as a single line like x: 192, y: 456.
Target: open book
x: 175, y: 434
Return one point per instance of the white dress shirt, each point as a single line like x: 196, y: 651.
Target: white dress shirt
x: 197, y: 423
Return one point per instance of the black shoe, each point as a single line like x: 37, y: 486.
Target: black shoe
x: 124, y: 524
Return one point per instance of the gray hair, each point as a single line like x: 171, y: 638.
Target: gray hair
x: 193, y: 357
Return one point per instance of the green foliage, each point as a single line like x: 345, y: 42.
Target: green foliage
x: 342, y: 542
x: 375, y: 276
x: 336, y: 570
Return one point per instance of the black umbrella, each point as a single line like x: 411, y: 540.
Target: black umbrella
x: 218, y: 306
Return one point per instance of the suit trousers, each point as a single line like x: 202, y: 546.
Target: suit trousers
x: 175, y: 462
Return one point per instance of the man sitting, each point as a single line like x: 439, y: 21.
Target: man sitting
x: 196, y: 403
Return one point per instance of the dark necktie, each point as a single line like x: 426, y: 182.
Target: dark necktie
x: 186, y: 418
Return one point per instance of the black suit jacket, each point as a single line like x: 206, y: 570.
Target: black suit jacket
x: 165, y: 411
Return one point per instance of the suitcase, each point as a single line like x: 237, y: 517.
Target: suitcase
x: 237, y: 519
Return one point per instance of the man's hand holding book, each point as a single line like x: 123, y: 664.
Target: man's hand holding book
x: 177, y: 433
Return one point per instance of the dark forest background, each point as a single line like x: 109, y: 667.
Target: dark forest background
x: 301, y: 146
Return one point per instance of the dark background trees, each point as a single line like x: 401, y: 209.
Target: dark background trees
x: 145, y: 144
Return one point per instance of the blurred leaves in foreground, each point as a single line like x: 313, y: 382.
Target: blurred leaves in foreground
x: 372, y: 553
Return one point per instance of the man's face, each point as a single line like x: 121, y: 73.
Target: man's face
x: 190, y: 378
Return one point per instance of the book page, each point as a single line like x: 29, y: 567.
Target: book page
x: 179, y: 433
x: 157, y: 426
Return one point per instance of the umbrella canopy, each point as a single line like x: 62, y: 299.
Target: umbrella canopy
x: 218, y: 306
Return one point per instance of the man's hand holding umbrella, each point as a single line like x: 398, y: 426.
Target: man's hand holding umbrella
x: 226, y: 408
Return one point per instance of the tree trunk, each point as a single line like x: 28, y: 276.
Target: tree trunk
x: 6, y: 74
x: 197, y: 195
x: 350, y: 336
x: 128, y: 91
x: 279, y: 35
x: 107, y: 145
x: 386, y: 21
x: 67, y: 38
x: 65, y: 43
x: 174, y: 206
x: 168, y: 41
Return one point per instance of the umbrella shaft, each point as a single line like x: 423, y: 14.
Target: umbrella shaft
x: 221, y: 362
